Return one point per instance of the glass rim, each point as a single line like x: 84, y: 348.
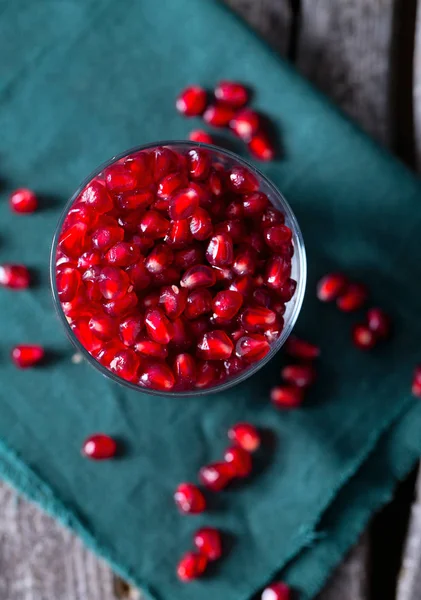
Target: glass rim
x: 299, y: 252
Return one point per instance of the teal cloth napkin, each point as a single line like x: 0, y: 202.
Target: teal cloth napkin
x: 86, y: 79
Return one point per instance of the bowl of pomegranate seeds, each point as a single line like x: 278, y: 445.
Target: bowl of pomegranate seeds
x: 178, y: 269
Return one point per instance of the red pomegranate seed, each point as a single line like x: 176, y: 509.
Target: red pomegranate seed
x: 121, y: 306
x: 154, y: 225
x: 246, y: 436
x: 27, y: 355
x: 287, y: 291
x: 192, y: 101
x: 189, y: 499
x: 185, y: 370
x: 201, y: 226
x: 331, y: 286
x: 82, y: 331
x: 119, y: 179
x: 245, y: 262
x: 417, y: 374
x: 159, y: 328
x: 122, y: 254
x: 207, y: 374
x: 299, y: 375
x: 235, y: 228
x: 215, y: 181
x: 416, y: 388
x: 262, y: 297
x: 179, y: 235
x: 243, y: 181
x: 102, y: 327
x: 184, y: 203
x: 257, y: 318
x: 68, y: 281
x: 96, y: 196
x: 220, y: 250
x: 188, y: 257
x: 243, y: 285
x: 130, y: 329
x: 135, y: 200
x: 141, y: 165
x: 286, y: 396
x: 23, y: 201
x: 245, y: 124
x: 233, y: 93
x: 218, y: 115
x: 147, y: 347
x: 363, y: 337
x: 113, y: 283
x: 353, y: 298
x: 139, y: 276
x: 277, y: 236
x: 254, y: 204
x: 227, y: 303
x: 223, y: 275
x: 261, y: 147
x: 198, y: 276
x: 181, y: 339
x: 252, y: 347
x: 198, y: 163
x: 106, y: 236
x: 164, y: 161
x: 191, y: 566
x: 199, y: 303
x: 159, y: 258
x: 73, y: 240
x: 173, y: 300
x: 199, y: 326
x: 89, y: 259
x: 125, y: 364
x: 277, y: 272
x: 298, y: 348
x: 170, y: 184
x: 379, y: 322
x: 273, y: 332
x: 271, y: 217
x: 201, y: 137
x: 214, y: 345
x: 157, y: 376
x: 208, y: 541
x: 216, y: 476
x: 99, y: 447
x: 240, y: 461
x: 277, y: 591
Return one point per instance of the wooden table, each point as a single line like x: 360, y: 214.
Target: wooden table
x: 366, y: 55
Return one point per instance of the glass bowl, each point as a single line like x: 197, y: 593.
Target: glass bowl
x: 299, y: 267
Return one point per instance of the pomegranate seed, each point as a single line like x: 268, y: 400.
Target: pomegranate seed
x: 207, y: 374
x: 122, y: 254
x: 245, y: 262
x: 353, y: 298
x: 147, y: 347
x: 201, y: 226
x: 84, y: 334
x: 363, y: 337
x: 106, y: 236
x: 277, y: 591
x: 192, y: 101
x: 255, y: 204
x: 15, y: 277
x: 277, y: 236
x: 199, y: 326
x: 273, y: 332
x: 99, y: 447
x: 157, y: 376
x: 184, y: 203
x: 139, y: 276
x: 27, y: 355
x: 135, y: 200
x: 215, y: 345
x: 189, y: 499
x: 68, y: 281
x: 262, y: 297
x: 243, y: 181
x: 330, y: 287
x: 121, y: 306
x: 252, y: 347
x: 298, y: 348
x: 185, y: 370
x: 416, y: 388
x: 227, y: 303
x: 234, y: 228
x: 119, y: 179
x: 179, y: 234
x: 215, y: 181
x: 198, y: 163
x: 73, y: 240
x: 223, y: 275
x: 216, y: 476
x: 286, y: 396
x: 89, y: 259
x: 233, y: 366
x: 261, y: 147
x: 96, y: 196
x: 257, y: 318
x: 232, y: 93
x: 201, y: 137
x: 113, y: 283
x: 23, y: 201
x: 140, y: 164
x: 417, y: 374
x: 154, y: 225
x: 102, y: 327
x: 299, y: 375
x: 188, y: 257
x: 164, y: 161
x: 170, y: 184
x: 218, y: 115
x: 240, y: 461
x: 245, y: 124
x: 191, y: 566
x: 277, y: 272
x: 287, y: 291
x: 199, y: 303
x: 125, y: 364
x: 130, y: 329
x: 271, y: 216
x: 159, y: 259
x: 379, y: 322
x: 198, y: 276
x: 159, y: 328
x: 246, y: 436
x: 173, y: 300
x: 208, y: 541
x: 220, y: 250
x: 181, y: 339
x: 243, y: 285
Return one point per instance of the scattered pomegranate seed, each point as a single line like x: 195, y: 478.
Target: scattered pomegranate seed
x: 363, y: 337
x: 331, y: 286
x: 218, y: 115
x: 240, y: 460
x: 27, y: 355
x: 301, y: 349
x: 189, y: 499
x: 252, y: 347
x: 191, y: 566
x: 245, y: 124
x: 261, y: 147
x: 286, y: 396
x: 300, y: 375
x: 353, y: 298
x: 192, y: 101
x: 201, y: 137
x: 216, y: 476
x: 99, y: 447
x: 215, y: 345
x: 232, y: 93
x: 208, y: 541
x: 246, y: 436
x: 379, y: 322
x: 277, y: 591
x: 23, y: 201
